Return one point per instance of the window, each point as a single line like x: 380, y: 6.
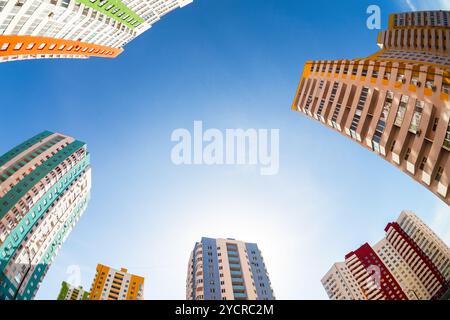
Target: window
x: 446, y: 88
x: 439, y: 174
x: 417, y: 116
x: 401, y: 78
x: 407, y: 154
x: 447, y: 137
x: 359, y: 111
x: 336, y: 114
x: 364, y: 72
x: 308, y: 103
x: 387, y: 74
x: 435, y: 124
x: 376, y: 71
x: 322, y: 103
x: 401, y: 110
x: 429, y: 84
x: 334, y: 91
x: 382, y: 121
x: 423, y: 163
x: 4, y: 47
x: 346, y: 69
x: 321, y: 84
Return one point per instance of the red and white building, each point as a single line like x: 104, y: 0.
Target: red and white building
x: 409, y: 263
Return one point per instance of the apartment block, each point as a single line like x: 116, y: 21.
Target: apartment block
x: 45, y: 184
x: 112, y: 284
x: 409, y: 263
x: 227, y: 269
x: 37, y: 29
x: 395, y: 102
x: 69, y: 292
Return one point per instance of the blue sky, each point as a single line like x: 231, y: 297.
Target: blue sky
x: 231, y: 64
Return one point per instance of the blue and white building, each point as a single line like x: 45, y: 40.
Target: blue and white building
x: 227, y: 269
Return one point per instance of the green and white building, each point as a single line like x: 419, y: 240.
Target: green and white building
x: 36, y: 29
x: 44, y: 189
x: 69, y: 292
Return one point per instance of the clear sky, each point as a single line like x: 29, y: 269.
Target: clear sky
x: 231, y: 64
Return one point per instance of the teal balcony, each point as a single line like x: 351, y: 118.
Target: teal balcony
x: 240, y: 295
x: 236, y: 273
x: 235, y: 266
x: 238, y: 288
x: 237, y: 280
x: 234, y: 259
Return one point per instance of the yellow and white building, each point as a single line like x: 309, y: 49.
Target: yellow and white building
x: 113, y: 284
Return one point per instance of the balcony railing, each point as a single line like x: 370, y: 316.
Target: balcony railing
x: 238, y: 289
x: 237, y: 280
x: 447, y: 144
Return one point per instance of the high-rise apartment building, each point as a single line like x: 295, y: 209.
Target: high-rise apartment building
x: 427, y: 241
x: 32, y: 29
x: 409, y: 263
x: 44, y: 189
x: 69, y: 292
x: 226, y: 269
x: 395, y: 102
x: 112, y: 284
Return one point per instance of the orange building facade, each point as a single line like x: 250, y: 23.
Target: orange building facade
x: 395, y: 102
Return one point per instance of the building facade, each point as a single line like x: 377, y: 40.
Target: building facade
x: 69, y: 292
x: 427, y: 241
x: 340, y: 283
x: 226, y: 269
x: 395, y: 102
x: 409, y: 263
x: 32, y: 29
x: 44, y: 189
x: 112, y: 284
